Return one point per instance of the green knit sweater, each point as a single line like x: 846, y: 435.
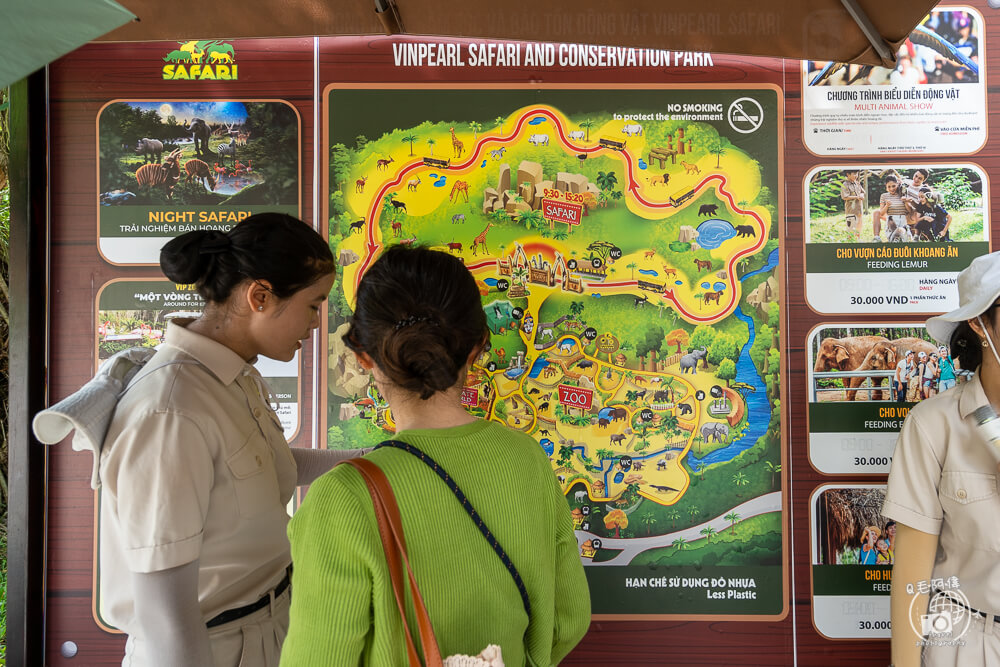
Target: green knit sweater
x: 343, y: 611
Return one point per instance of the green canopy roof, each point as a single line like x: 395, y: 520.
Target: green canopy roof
x: 33, y: 33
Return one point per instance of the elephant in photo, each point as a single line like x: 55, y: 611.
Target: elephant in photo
x: 689, y: 362
x: 882, y: 357
x: 717, y: 430
x: 844, y: 354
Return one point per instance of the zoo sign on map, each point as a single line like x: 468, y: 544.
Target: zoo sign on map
x: 626, y: 249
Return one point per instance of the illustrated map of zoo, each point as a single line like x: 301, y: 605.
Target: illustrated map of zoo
x: 626, y: 249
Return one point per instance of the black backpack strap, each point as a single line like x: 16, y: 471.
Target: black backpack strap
x: 470, y: 510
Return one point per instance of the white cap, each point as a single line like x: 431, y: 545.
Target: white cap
x: 978, y: 288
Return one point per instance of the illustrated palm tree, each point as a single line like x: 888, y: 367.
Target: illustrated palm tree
x: 576, y: 307
x: 520, y: 274
x: 617, y: 195
x: 708, y: 531
x: 531, y: 219
x: 606, y: 180
x: 701, y: 471
x: 718, y: 150
x: 475, y: 127
x: 673, y: 515
x: 560, y: 235
x: 740, y: 480
x: 409, y: 138
x: 732, y: 518
x: 631, y: 396
x: 587, y: 125
x: 565, y: 455
x: 499, y: 121
x: 605, y: 454
x: 430, y: 144
x: 693, y: 511
x: 648, y: 520
x: 679, y: 543
x: 773, y: 469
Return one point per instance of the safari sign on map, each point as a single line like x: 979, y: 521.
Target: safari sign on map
x: 626, y: 249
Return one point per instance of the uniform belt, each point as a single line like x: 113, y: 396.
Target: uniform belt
x: 231, y: 615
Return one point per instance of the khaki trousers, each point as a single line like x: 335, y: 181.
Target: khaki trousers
x: 979, y: 646
x: 251, y: 641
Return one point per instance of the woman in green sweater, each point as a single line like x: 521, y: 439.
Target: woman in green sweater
x: 418, y: 325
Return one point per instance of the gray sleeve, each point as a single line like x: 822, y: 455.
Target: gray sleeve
x: 312, y: 463
x: 169, y: 617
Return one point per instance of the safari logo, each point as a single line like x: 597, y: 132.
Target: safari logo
x: 200, y: 60
x: 946, y: 621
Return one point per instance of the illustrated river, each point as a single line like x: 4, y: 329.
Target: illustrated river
x: 758, y: 407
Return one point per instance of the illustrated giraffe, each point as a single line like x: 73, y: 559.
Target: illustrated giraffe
x: 459, y: 188
x: 481, y: 240
x: 456, y: 143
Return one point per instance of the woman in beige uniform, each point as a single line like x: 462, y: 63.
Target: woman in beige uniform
x: 195, y: 469
x: 942, y: 493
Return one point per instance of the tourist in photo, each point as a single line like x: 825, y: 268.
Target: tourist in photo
x: 868, y: 553
x: 853, y: 194
x: 947, y: 378
x: 891, y: 209
x: 928, y: 385
x: 902, y: 378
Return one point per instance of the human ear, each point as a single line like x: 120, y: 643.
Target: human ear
x: 365, y: 360
x: 258, y: 293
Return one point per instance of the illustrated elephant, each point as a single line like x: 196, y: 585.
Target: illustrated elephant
x: 717, y: 430
x: 882, y: 357
x: 200, y: 132
x: 690, y: 361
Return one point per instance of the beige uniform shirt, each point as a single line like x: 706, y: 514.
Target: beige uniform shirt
x: 943, y: 482
x: 194, y: 466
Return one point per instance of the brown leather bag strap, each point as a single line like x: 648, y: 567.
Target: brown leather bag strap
x: 390, y: 527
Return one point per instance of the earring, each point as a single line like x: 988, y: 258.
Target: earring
x: 261, y: 308
x: 984, y: 343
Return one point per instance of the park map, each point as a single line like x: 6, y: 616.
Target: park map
x: 627, y: 264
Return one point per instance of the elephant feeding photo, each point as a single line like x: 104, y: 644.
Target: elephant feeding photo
x: 863, y: 381
x: 627, y: 258
x: 169, y: 167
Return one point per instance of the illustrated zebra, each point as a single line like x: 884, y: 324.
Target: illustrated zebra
x: 152, y: 174
x: 227, y: 149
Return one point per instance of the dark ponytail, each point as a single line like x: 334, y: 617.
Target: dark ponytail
x: 275, y: 247
x: 419, y: 317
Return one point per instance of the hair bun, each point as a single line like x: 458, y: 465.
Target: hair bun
x: 183, y: 260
